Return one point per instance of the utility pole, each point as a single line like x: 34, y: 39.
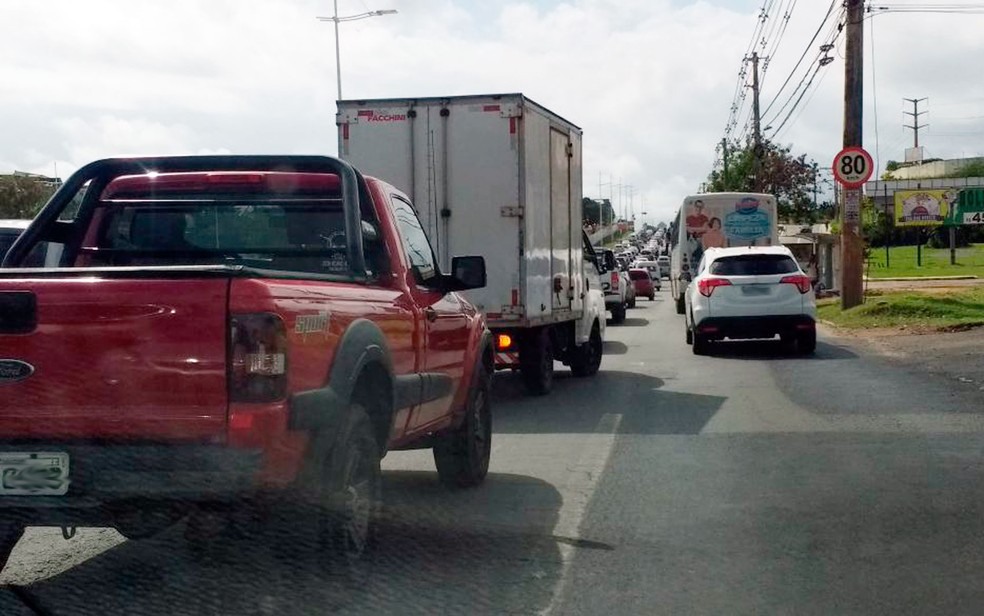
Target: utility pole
x: 852, y: 266
x: 756, y: 120
x: 724, y: 158
x: 915, y: 113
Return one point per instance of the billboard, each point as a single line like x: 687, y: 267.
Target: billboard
x: 922, y: 208
x: 970, y: 208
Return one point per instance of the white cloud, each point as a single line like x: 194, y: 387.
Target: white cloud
x: 650, y: 81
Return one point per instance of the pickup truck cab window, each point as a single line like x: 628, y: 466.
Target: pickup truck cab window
x: 415, y: 242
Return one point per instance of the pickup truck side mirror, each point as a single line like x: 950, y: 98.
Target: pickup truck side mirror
x: 610, y: 263
x: 466, y: 273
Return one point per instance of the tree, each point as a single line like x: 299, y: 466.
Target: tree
x: 791, y: 179
x: 597, y: 210
x: 22, y: 196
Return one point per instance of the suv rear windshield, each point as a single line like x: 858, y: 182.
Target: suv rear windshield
x: 638, y: 275
x: 753, y: 265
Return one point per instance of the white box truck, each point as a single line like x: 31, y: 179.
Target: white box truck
x: 499, y: 176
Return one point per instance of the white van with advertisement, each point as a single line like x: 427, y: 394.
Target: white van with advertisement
x: 717, y: 220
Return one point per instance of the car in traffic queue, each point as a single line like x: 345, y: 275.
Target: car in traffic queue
x: 664, y: 266
x: 750, y: 293
x: 643, y: 283
x: 615, y: 284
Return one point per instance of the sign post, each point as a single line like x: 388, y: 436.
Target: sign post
x: 852, y: 168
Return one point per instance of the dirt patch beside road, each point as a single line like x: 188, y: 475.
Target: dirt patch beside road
x: 954, y: 356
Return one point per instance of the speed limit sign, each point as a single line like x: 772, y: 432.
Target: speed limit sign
x: 852, y: 167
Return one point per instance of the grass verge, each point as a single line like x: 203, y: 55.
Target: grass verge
x: 910, y: 310
x: 935, y: 262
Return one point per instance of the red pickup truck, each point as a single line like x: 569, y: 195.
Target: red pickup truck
x: 231, y: 332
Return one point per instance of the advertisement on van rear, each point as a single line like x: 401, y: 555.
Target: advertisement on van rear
x: 734, y: 220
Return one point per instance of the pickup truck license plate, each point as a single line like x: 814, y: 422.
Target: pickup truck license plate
x: 755, y: 289
x: 33, y: 473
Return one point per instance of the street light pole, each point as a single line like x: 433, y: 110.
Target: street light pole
x: 338, y: 54
x: 336, y: 20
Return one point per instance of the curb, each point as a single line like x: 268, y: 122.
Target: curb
x: 920, y: 278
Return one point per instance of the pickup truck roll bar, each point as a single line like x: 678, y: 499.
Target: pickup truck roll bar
x: 101, y: 172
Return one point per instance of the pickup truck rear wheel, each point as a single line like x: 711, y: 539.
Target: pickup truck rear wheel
x: 536, y: 363
x: 618, y: 314
x: 462, y: 456
x: 336, y: 500
x: 586, y: 359
x: 10, y: 534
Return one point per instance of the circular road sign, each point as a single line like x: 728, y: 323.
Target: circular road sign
x: 852, y: 167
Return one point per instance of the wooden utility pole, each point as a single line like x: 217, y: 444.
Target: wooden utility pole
x: 756, y: 122
x: 852, y: 252
x: 724, y: 158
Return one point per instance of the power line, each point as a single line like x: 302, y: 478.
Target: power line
x: 805, y: 83
x: 759, y: 36
x: 830, y: 11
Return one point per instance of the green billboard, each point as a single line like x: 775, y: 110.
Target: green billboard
x: 970, y: 207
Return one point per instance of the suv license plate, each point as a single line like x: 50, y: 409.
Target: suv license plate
x: 33, y: 474
x: 755, y: 289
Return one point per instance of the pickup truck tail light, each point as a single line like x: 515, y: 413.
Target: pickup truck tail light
x: 615, y: 280
x: 257, y: 358
x: 803, y: 283
x: 706, y: 286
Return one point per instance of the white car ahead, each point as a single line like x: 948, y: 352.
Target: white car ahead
x: 750, y: 292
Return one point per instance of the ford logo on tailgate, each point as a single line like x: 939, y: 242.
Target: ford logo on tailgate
x: 12, y: 370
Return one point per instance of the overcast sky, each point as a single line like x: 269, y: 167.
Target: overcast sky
x: 650, y: 81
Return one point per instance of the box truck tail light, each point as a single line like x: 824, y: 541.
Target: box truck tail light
x: 803, y: 283
x: 257, y: 358
x: 503, y: 342
x: 615, y: 280
x: 706, y: 286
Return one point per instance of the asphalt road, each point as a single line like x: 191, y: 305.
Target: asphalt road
x: 747, y: 482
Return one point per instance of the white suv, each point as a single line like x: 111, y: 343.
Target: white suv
x: 750, y: 292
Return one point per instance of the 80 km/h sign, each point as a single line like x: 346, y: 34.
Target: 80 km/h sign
x: 852, y: 167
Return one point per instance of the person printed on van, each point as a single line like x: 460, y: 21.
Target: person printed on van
x: 714, y: 237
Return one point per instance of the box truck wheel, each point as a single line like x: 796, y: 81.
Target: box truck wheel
x: 536, y: 362
x: 586, y: 359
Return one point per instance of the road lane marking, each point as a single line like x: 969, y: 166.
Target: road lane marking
x: 578, y: 489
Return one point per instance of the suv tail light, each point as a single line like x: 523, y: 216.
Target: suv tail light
x: 706, y: 286
x: 615, y: 280
x: 803, y: 283
x: 257, y: 358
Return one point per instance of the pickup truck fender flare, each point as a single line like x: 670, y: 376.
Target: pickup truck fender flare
x: 482, y: 351
x: 361, y: 350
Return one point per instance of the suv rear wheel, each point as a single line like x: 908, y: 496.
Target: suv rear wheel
x: 806, y: 342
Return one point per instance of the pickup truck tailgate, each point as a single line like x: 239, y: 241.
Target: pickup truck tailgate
x: 114, y: 358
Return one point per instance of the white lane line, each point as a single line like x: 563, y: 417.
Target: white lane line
x: 577, y: 489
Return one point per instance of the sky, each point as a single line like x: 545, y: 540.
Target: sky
x: 651, y: 82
